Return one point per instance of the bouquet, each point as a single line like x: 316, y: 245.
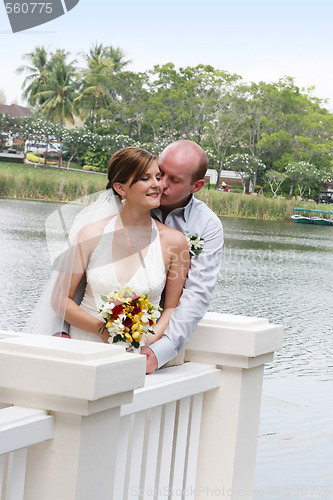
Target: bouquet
x: 128, y: 317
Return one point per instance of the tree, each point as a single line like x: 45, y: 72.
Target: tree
x: 275, y: 179
x: 117, y: 56
x: 8, y: 127
x: 59, y: 92
x: 166, y: 103
x: 245, y: 165
x: 39, y: 67
x: 224, y: 116
x: 305, y: 174
x: 96, y: 90
x: 77, y: 141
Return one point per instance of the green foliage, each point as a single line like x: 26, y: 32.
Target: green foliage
x: 275, y: 179
x: 244, y: 163
x: 276, y: 123
x: 304, y: 174
x: 98, y: 159
x: 246, y: 166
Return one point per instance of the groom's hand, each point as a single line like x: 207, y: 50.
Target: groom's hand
x: 151, y: 359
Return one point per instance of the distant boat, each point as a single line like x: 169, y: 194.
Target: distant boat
x: 320, y: 221
x: 307, y: 218
x: 301, y: 219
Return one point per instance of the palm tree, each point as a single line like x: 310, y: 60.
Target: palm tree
x: 59, y: 92
x: 96, y: 91
x: 95, y: 80
x: 39, y: 69
x: 117, y: 55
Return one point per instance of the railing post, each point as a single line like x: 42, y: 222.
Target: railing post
x: 240, y: 346
x: 83, y: 384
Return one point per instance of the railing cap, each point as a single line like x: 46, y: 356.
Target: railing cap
x: 56, y: 367
x: 225, y: 335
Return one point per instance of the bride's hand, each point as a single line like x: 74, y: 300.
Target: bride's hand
x: 103, y: 334
x: 150, y: 339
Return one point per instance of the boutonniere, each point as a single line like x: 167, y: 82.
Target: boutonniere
x: 195, y: 244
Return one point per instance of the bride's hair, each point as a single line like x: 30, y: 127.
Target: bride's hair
x: 127, y: 163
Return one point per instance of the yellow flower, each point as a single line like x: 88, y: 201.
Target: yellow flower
x: 128, y: 336
x: 137, y: 336
x: 108, y: 324
x: 117, y: 296
x: 137, y: 327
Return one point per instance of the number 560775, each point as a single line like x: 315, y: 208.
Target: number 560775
x: 28, y: 7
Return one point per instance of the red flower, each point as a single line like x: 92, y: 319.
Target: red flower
x: 127, y: 322
x: 116, y: 311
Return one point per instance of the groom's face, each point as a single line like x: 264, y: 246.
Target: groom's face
x: 177, y: 171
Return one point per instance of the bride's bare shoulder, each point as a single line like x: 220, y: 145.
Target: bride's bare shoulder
x: 171, y: 236
x: 93, y: 230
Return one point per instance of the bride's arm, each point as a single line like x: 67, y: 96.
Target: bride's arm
x: 68, y: 281
x: 179, y: 263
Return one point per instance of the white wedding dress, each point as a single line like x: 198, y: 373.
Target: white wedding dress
x: 102, y: 279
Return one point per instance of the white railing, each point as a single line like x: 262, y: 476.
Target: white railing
x: 159, y: 433
x: 19, y: 429
x: 180, y: 433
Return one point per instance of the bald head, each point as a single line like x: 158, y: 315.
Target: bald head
x: 183, y: 165
x: 188, y: 155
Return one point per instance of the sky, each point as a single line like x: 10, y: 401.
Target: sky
x: 259, y: 40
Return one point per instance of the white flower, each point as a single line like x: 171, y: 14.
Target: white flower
x: 107, y: 308
x: 145, y: 317
x: 155, y: 314
x: 195, y: 244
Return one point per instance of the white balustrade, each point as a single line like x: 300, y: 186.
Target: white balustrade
x: 159, y: 437
x: 186, y: 432
x: 19, y: 428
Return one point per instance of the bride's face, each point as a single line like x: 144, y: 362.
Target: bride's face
x: 147, y: 191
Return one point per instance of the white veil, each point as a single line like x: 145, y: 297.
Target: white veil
x: 62, y: 227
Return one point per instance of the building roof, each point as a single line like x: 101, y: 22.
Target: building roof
x: 15, y: 110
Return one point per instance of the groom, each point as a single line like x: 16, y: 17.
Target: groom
x: 183, y: 166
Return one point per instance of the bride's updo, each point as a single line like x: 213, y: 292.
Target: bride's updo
x: 126, y: 163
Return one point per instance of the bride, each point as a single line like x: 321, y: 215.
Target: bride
x: 129, y: 249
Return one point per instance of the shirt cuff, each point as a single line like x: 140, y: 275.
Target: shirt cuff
x: 164, y: 350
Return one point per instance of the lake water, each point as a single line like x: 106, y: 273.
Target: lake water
x: 280, y: 271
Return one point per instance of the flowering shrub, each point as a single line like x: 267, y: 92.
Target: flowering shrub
x: 39, y: 159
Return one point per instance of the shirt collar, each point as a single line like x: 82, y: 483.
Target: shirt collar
x: 182, y: 211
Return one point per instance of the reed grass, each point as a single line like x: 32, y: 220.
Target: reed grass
x: 28, y: 182
x: 253, y: 207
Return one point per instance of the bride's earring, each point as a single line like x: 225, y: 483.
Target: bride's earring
x: 123, y: 201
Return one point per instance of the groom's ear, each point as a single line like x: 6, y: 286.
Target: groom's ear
x: 119, y: 188
x: 197, y: 185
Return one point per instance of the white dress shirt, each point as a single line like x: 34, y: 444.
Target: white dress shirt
x: 195, y: 219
